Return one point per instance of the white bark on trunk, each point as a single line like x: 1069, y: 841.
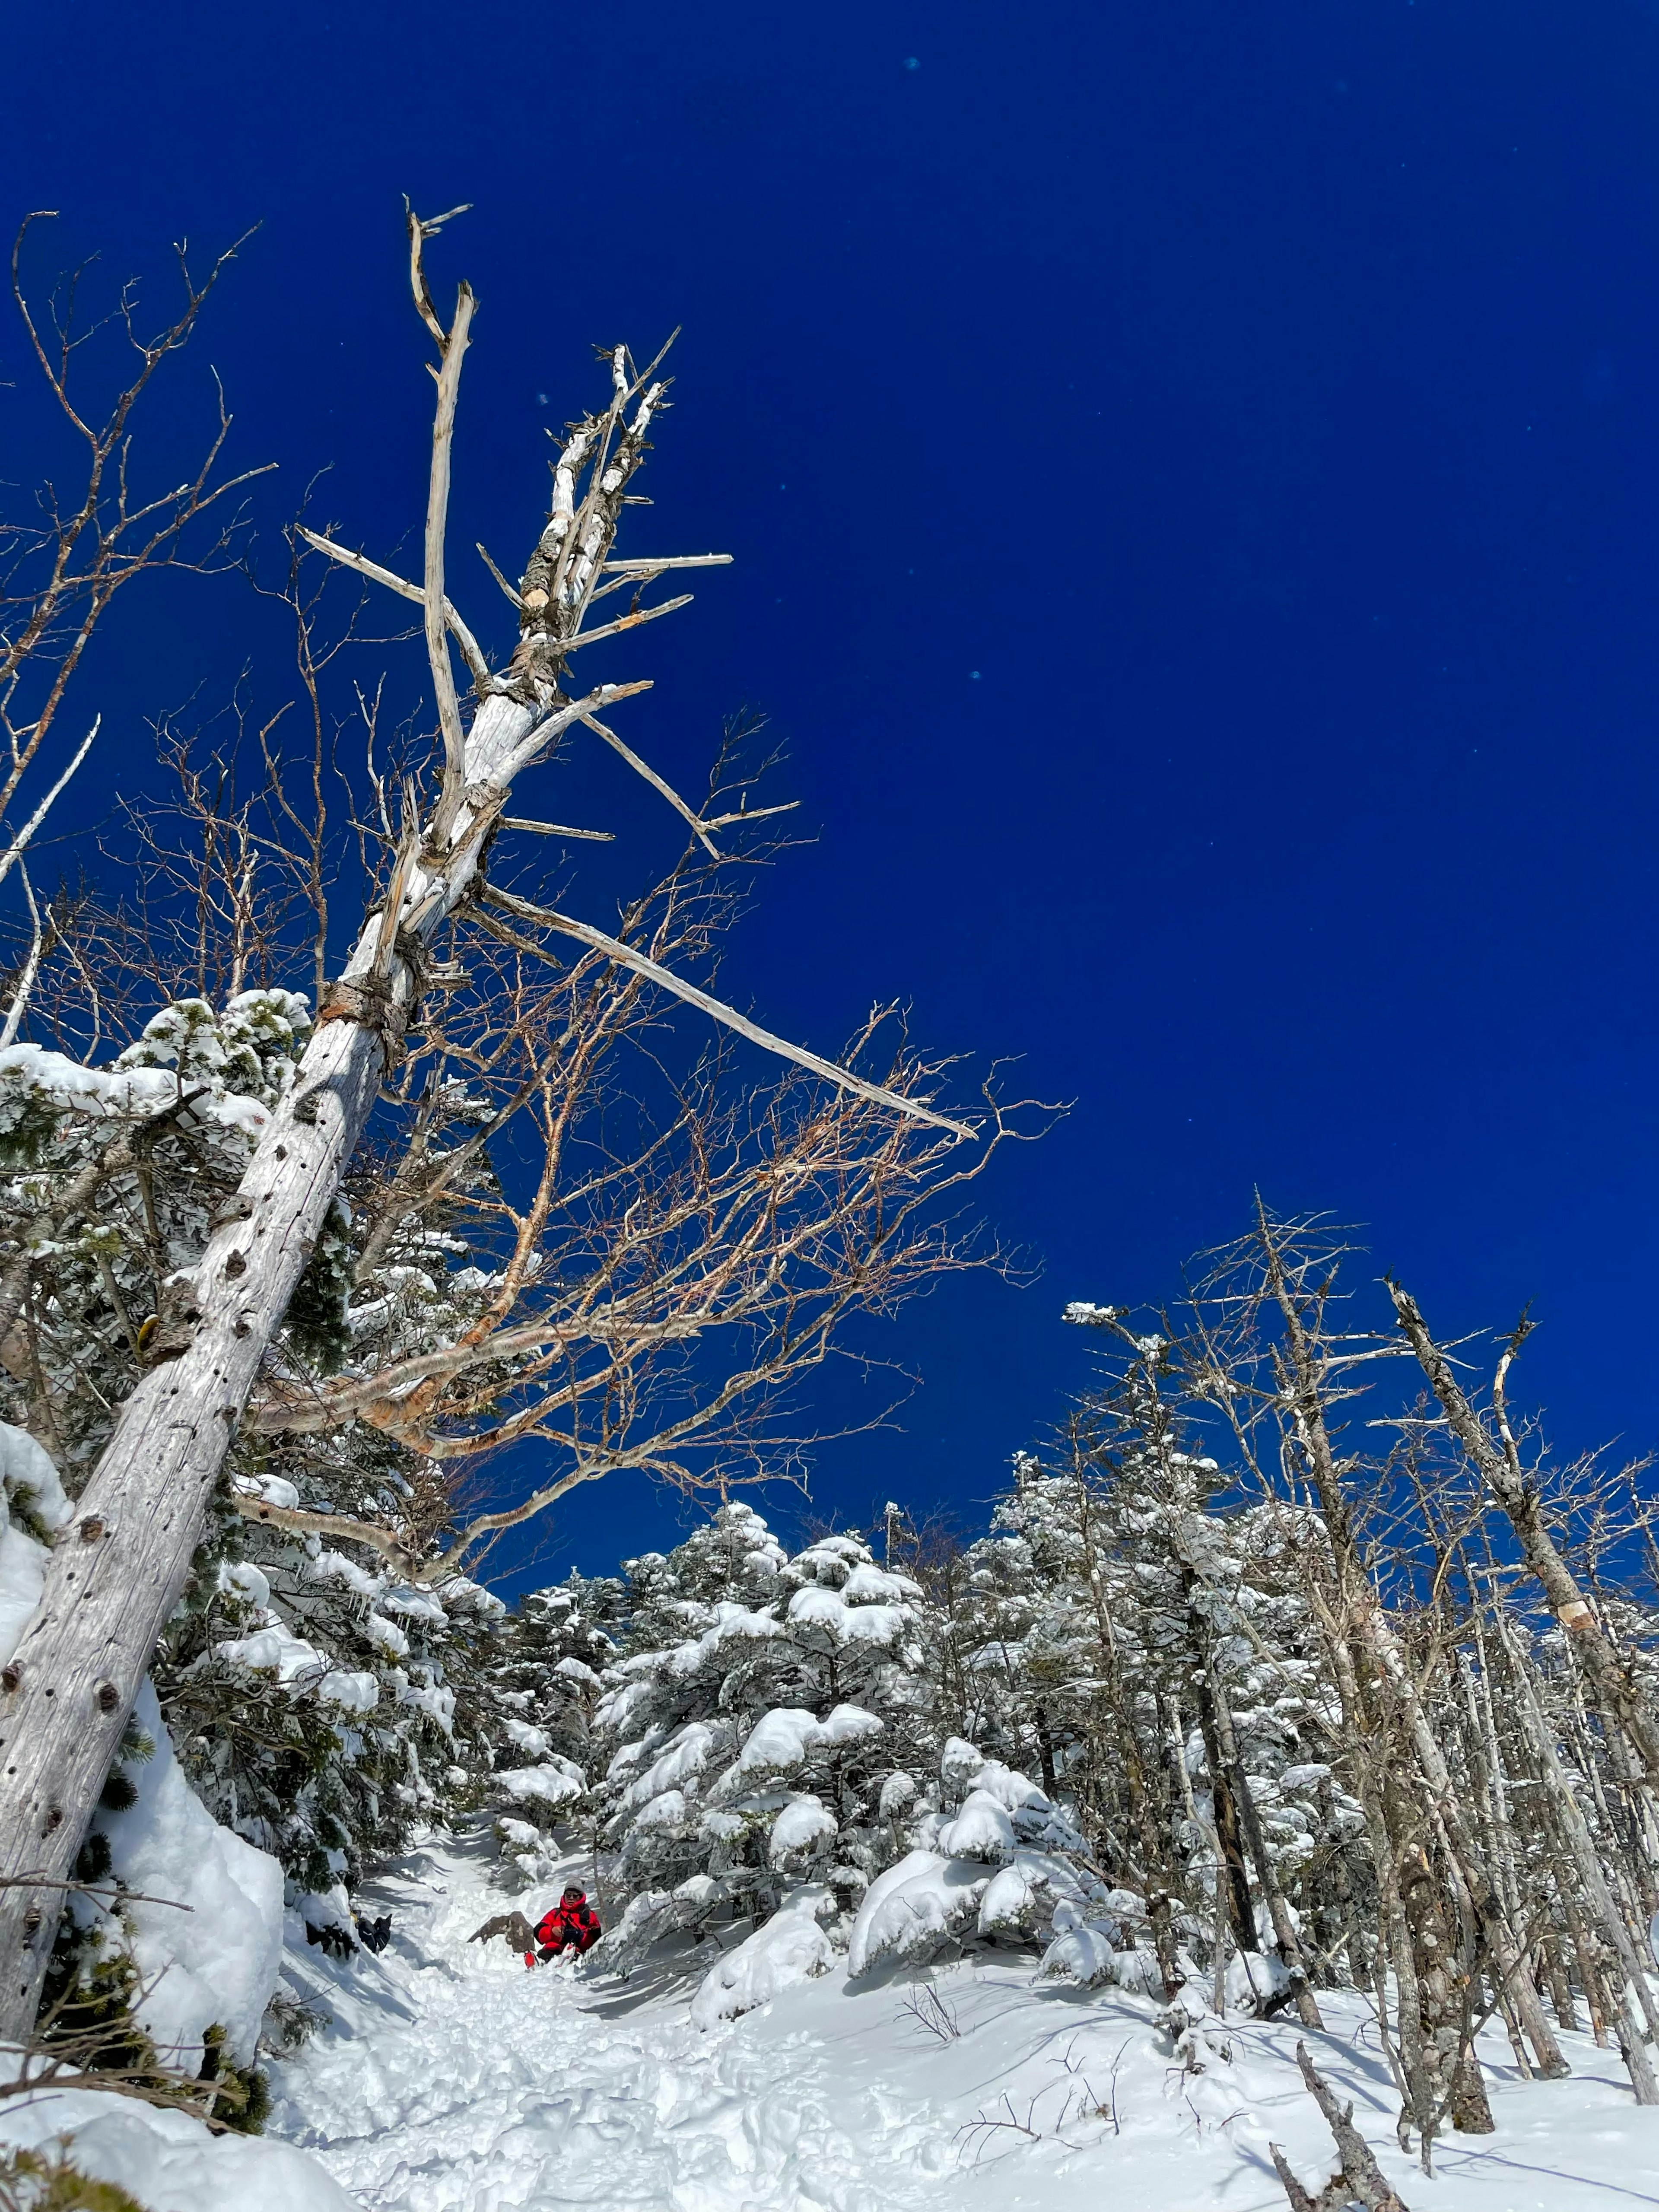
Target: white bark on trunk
x: 118, y: 1570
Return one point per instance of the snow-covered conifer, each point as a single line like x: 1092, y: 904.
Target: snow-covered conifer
x: 543, y: 1691
x: 764, y: 1709
x: 990, y: 1854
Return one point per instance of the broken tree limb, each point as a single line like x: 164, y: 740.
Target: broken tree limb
x: 654, y: 564
x: 471, y: 651
x: 1360, y: 2176
x: 645, y: 768
x: 557, y: 830
x: 751, y: 814
x: 452, y: 349
x: 1334, y: 2197
x: 518, y: 1931
x: 298, y: 1520
x: 509, y: 589
x: 420, y: 229
x: 627, y: 622
x: 626, y: 957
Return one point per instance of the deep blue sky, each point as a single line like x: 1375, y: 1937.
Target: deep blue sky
x: 1193, y: 470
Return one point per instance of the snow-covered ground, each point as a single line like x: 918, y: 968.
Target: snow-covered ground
x: 452, y: 2081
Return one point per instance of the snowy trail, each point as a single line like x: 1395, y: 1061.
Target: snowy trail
x: 462, y: 2083
x: 455, y: 2081
x: 508, y: 2096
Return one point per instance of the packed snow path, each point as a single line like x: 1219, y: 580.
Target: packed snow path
x: 455, y: 2081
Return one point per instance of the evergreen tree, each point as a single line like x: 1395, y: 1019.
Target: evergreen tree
x: 760, y: 1714
x: 544, y: 1689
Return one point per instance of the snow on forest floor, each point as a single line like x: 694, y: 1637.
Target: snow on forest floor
x: 453, y: 2081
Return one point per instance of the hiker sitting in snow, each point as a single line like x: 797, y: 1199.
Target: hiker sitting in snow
x: 572, y: 1925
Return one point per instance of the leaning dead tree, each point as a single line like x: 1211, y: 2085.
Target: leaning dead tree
x: 1359, y: 2179
x: 118, y: 1568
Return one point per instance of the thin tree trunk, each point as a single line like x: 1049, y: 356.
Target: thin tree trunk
x: 1363, y: 1622
x: 1498, y: 1464
x: 1207, y: 1828
x: 1415, y: 2071
x: 1290, y: 1949
x: 1483, y: 1721
x: 1644, y: 1844
x: 1240, y: 1905
x: 1560, y: 1986
x: 1496, y: 1843
x: 1442, y: 1995
x: 1590, y: 1974
x: 1045, y: 1746
x: 1582, y: 1846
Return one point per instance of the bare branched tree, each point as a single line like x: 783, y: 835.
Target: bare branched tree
x: 63, y: 567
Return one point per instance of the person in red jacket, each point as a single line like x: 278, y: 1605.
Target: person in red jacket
x: 572, y: 1925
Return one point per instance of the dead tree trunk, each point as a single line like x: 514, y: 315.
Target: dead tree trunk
x: 118, y: 1570
x: 1498, y: 1464
x: 1640, y: 2005
x: 1442, y: 1989
x: 1288, y: 1944
x: 1241, y: 1908
x: 1359, y: 2179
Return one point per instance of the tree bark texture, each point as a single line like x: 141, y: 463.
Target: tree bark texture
x: 1359, y: 2177
x: 118, y: 1570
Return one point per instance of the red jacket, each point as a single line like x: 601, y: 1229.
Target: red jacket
x: 572, y: 1927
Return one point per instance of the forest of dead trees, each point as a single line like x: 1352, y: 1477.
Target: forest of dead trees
x: 400, y: 1202
x: 1336, y: 1684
